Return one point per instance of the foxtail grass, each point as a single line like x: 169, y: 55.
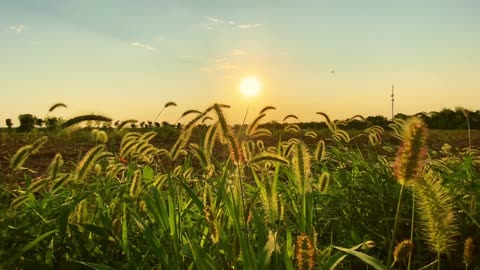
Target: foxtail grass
x: 22, y: 154
x: 168, y: 104
x: 55, y: 166
x: 409, y: 164
x: 57, y: 105
x: 468, y: 252
x: 87, y: 163
x: 436, y: 216
x: 123, y: 124
x: 290, y: 116
x: 305, y: 252
x: 402, y: 251
x: 83, y: 118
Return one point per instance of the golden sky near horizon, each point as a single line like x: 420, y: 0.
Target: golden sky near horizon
x: 340, y: 58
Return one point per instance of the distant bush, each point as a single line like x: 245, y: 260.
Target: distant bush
x: 27, y: 122
x: 9, y: 123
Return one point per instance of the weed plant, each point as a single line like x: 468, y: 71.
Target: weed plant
x: 229, y: 200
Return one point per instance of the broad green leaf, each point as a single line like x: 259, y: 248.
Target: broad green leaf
x: 193, y: 196
x: 336, y: 259
x: 148, y: 173
x: 202, y: 259
x: 364, y: 257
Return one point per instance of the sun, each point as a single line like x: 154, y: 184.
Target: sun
x: 250, y: 86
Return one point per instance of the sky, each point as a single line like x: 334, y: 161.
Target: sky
x: 126, y: 59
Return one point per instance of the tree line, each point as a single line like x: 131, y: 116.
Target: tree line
x: 458, y: 118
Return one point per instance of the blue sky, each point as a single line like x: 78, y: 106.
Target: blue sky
x: 126, y: 59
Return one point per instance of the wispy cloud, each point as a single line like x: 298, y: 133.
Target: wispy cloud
x: 214, y: 21
x: 18, y: 28
x: 249, y: 25
x: 144, y: 46
x: 238, y: 52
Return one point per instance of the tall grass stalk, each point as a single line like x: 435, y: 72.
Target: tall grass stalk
x: 411, y: 227
x: 252, y: 201
x: 395, y: 227
x: 409, y: 164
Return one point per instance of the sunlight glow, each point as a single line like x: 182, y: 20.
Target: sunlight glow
x: 250, y: 86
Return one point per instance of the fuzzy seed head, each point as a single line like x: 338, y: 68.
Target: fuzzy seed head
x: 305, y: 252
x: 402, y: 250
x: 212, y: 222
x: 468, y: 251
x: 436, y: 215
x: 411, y: 156
x: 301, y: 166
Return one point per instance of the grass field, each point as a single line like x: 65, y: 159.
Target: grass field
x: 218, y: 198
x: 76, y: 144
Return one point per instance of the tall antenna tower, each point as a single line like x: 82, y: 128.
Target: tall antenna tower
x: 392, y: 101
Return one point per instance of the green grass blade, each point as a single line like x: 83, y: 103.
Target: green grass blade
x: 202, y: 259
x: 49, y: 255
x: 125, y: 231
x: 336, y: 259
x: 193, y: 196
x: 96, y: 266
x: 364, y: 257
x: 28, y: 247
x: 152, y: 240
x: 157, y: 209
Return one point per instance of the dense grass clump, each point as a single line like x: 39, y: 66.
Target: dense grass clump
x: 241, y: 198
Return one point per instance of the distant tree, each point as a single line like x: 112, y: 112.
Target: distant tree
x: 401, y: 116
x: 442, y: 119
x: 9, y: 124
x: 378, y: 120
x: 157, y: 124
x: 424, y: 116
x: 356, y: 124
x: 475, y: 119
x: 39, y: 122
x: 150, y: 124
x: 272, y: 125
x: 133, y: 125
x: 52, y: 123
x: 142, y: 124
x: 27, y: 122
x: 462, y: 118
x: 312, y: 125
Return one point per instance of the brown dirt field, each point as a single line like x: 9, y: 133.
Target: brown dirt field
x: 73, y: 149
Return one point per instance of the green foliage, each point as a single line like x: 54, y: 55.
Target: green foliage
x: 53, y: 123
x: 216, y: 197
x: 27, y: 122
